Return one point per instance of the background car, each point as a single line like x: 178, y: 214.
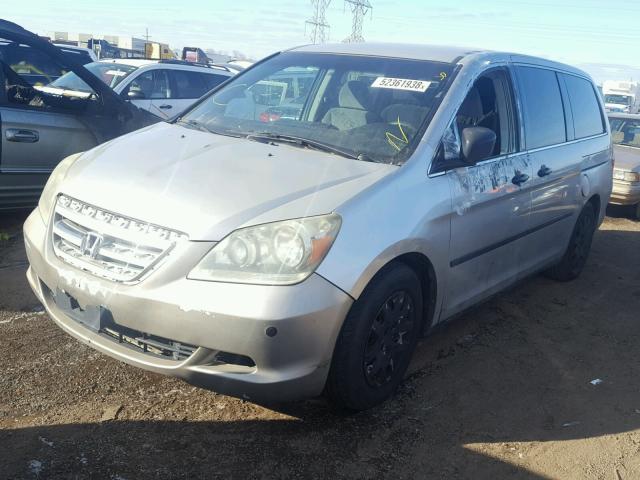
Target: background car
x: 625, y: 135
x: 162, y: 87
x: 36, y: 67
x: 83, y: 55
x: 38, y: 127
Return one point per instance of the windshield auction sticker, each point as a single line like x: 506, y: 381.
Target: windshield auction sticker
x: 115, y: 73
x: 401, y: 84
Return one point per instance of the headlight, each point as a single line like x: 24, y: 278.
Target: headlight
x: 280, y: 253
x: 48, y: 197
x: 626, y: 175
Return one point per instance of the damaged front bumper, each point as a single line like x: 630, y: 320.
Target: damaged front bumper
x: 263, y: 343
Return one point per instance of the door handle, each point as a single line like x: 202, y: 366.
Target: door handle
x: 166, y: 106
x: 519, y: 178
x: 544, y: 171
x: 21, y: 135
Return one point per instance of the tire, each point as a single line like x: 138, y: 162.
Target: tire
x: 575, y: 257
x: 377, y: 340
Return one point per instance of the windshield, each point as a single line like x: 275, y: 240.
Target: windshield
x: 620, y: 99
x: 110, y: 73
x: 366, y: 107
x: 625, y: 131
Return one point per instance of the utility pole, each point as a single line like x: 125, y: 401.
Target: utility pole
x: 146, y: 35
x: 318, y: 23
x: 359, y: 9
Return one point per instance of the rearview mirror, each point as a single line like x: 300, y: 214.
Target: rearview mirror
x: 135, y: 95
x: 477, y: 144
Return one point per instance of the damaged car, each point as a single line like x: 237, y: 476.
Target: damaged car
x: 277, y: 257
x: 41, y: 128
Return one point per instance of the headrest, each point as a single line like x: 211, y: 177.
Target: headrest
x: 354, y: 94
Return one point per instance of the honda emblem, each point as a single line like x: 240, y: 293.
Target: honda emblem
x: 90, y: 245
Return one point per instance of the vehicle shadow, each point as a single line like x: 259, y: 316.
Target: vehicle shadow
x: 506, y: 382
x: 15, y: 294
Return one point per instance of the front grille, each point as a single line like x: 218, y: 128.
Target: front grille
x: 149, y: 344
x: 106, y: 244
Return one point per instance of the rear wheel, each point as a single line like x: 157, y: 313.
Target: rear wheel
x: 575, y: 257
x: 377, y: 340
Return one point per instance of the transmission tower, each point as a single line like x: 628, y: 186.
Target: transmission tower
x: 359, y: 9
x: 318, y: 23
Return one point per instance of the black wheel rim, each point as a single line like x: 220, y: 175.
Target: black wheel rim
x: 582, y: 241
x: 389, y: 339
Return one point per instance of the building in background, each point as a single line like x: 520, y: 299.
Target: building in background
x: 115, y: 46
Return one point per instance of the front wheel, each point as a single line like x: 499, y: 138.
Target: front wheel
x: 377, y: 340
x: 575, y: 257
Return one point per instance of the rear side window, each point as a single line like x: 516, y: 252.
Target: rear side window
x: 542, y: 104
x: 212, y: 80
x: 153, y: 84
x: 187, y: 84
x: 587, y: 117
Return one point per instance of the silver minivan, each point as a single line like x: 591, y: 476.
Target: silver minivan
x: 276, y: 248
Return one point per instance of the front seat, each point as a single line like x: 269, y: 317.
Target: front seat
x: 353, y: 107
x: 470, y: 112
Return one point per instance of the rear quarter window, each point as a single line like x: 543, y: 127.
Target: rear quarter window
x: 544, y: 120
x: 587, y: 116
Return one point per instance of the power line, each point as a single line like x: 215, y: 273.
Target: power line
x: 318, y: 23
x: 359, y: 9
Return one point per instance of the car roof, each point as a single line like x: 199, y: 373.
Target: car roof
x: 169, y: 64
x: 134, y: 62
x: 71, y: 47
x: 434, y: 53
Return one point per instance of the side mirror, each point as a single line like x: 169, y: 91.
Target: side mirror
x: 477, y: 144
x: 135, y: 95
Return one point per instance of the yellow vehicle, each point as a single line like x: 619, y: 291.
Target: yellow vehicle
x: 158, y: 51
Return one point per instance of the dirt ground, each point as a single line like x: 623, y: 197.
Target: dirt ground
x: 506, y: 391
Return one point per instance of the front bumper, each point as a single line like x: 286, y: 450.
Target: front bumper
x: 214, y: 317
x: 625, y: 193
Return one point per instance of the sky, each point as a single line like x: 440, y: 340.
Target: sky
x: 586, y: 33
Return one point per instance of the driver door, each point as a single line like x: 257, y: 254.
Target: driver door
x: 141, y: 90
x: 490, y: 200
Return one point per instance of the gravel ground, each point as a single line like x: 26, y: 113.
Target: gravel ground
x: 539, y: 382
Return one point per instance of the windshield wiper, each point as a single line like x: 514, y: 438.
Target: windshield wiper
x: 300, y: 142
x: 193, y: 124
x: 199, y: 126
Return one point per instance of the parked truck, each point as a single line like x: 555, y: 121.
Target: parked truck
x: 621, y: 96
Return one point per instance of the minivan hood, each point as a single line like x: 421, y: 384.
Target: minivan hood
x: 207, y: 185
x: 627, y: 158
